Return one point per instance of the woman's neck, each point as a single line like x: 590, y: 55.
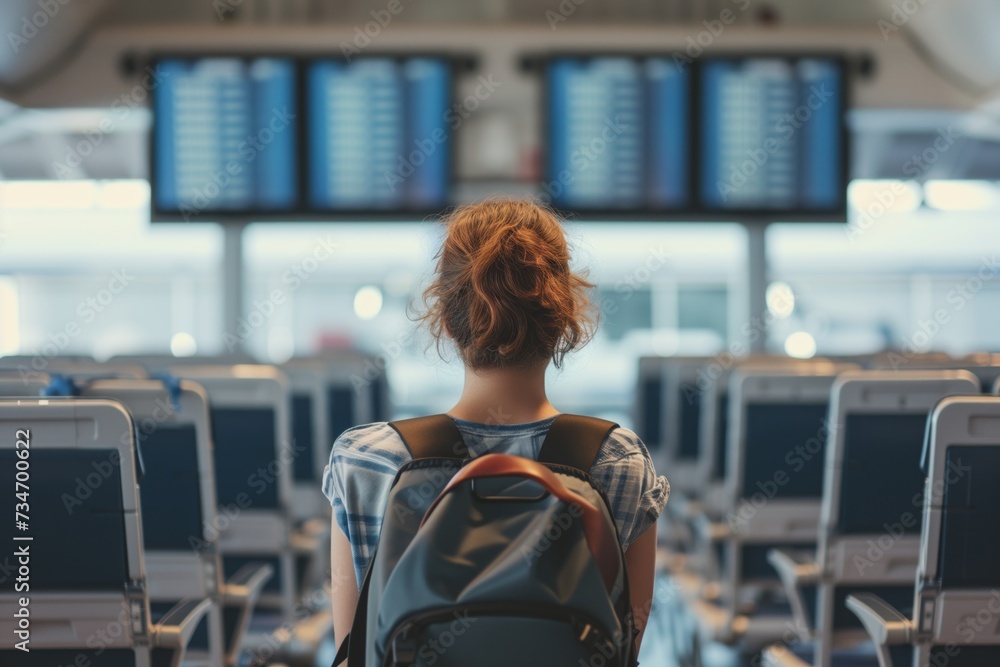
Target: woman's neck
x: 504, y: 396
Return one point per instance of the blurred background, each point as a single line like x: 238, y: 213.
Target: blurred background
x: 908, y: 264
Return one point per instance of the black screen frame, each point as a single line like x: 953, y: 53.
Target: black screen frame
x: 302, y: 211
x: 693, y: 212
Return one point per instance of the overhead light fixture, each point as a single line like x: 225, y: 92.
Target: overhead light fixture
x: 368, y: 302
x: 800, y: 345
x: 962, y: 195
x: 876, y: 197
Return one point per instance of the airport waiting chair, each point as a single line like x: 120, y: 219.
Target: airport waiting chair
x: 343, y: 388
x: 13, y: 384
x: 81, y: 368
x: 996, y: 387
x: 774, y: 462
x: 956, y: 602
x: 179, y: 512
x: 680, y: 417
x: 984, y: 365
x: 61, y: 375
x: 88, y: 601
x: 869, y: 529
x: 647, y: 410
x: 30, y: 366
x: 160, y: 362
x: 357, y: 388
x: 682, y: 382
x: 713, y: 458
x: 254, y: 456
x: 897, y: 360
x: 308, y: 382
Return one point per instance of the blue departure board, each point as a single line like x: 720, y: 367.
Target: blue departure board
x: 225, y: 136
x: 771, y: 134
x: 618, y: 134
x: 379, y: 136
x: 717, y: 138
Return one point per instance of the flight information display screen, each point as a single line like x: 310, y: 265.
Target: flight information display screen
x: 618, y: 130
x: 225, y: 136
x: 714, y: 139
x: 379, y: 135
x: 772, y: 134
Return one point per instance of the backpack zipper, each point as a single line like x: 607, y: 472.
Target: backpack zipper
x: 401, y: 648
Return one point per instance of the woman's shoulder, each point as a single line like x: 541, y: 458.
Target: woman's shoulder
x: 376, y: 439
x: 621, y: 443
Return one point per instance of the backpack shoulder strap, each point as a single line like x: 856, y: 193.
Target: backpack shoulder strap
x: 434, y: 436
x: 575, y: 440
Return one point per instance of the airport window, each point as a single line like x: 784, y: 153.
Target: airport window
x: 704, y: 307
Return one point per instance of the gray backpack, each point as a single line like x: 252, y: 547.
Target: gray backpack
x: 497, y: 560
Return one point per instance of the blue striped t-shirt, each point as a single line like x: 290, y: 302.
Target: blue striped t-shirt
x: 364, y: 461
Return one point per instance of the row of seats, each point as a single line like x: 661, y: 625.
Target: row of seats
x: 189, y: 490
x: 818, y: 503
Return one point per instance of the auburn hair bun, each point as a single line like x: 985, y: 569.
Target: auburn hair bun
x: 503, y: 289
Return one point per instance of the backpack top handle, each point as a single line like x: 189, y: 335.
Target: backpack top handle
x: 602, y: 542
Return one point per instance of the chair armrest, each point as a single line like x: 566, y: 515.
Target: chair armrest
x: 246, y: 585
x: 796, y: 569
x: 305, y: 543
x: 174, y: 631
x: 708, y: 534
x: 300, y: 644
x: 311, y: 545
x: 885, y: 625
x: 711, y: 531
x: 778, y: 655
x: 239, y: 596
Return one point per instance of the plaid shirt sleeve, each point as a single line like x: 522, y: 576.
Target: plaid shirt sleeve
x: 357, y: 480
x: 637, y: 494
